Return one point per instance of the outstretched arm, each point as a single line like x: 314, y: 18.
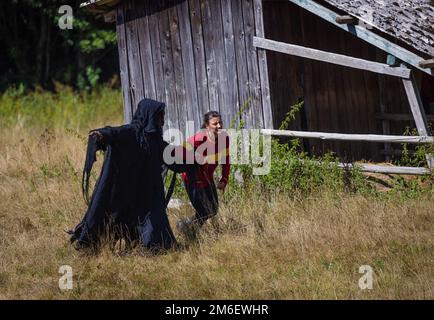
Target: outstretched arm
x: 108, y: 135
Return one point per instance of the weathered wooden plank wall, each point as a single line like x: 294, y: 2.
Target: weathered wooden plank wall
x: 123, y: 62
x: 196, y: 56
x: 337, y: 99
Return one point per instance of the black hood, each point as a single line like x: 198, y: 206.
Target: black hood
x: 146, y: 116
x: 145, y: 123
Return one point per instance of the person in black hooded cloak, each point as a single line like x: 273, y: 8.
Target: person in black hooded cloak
x: 128, y: 199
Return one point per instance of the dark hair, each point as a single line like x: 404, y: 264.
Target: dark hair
x: 208, y: 116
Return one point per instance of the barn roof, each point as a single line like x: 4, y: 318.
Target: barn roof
x: 100, y: 6
x: 410, y: 21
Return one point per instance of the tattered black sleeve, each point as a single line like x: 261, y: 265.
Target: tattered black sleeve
x: 110, y: 136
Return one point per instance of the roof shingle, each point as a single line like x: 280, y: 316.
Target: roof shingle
x: 411, y: 21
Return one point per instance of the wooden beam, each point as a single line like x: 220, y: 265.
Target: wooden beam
x: 375, y: 168
x: 399, y: 117
x: 349, y: 137
x: 364, y: 34
x: 329, y: 57
x: 111, y: 3
x: 387, y: 169
x: 427, y: 63
x: 416, y: 105
x: 100, y: 6
x: 418, y: 112
x: 346, y: 20
x: 97, y: 2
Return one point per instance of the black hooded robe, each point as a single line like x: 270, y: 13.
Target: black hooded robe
x: 128, y: 199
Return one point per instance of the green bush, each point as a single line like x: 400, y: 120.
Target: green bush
x: 416, y: 156
x: 293, y: 172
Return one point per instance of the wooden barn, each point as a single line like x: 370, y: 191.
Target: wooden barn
x: 363, y: 68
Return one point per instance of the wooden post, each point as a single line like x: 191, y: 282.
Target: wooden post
x: 263, y: 67
x: 392, y: 60
x: 418, y: 111
x: 346, y: 19
x: 385, y: 123
x: 427, y: 63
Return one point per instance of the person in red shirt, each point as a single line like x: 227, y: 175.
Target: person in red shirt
x: 211, y: 149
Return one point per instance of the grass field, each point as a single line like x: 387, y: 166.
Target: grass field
x: 263, y: 245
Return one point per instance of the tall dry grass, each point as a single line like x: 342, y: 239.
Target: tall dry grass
x: 261, y: 246
x: 258, y: 248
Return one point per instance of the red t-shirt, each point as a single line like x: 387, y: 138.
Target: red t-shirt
x: 209, y: 154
